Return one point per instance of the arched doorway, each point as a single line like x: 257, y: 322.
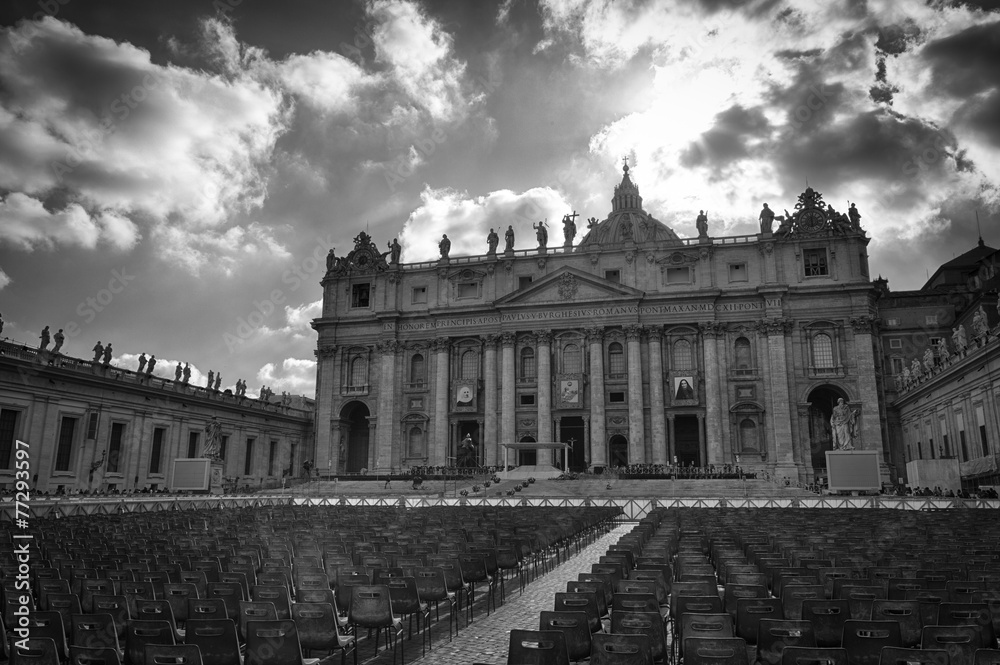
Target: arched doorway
x: 821, y: 403
x: 527, y: 457
x: 355, y: 414
x: 618, y: 449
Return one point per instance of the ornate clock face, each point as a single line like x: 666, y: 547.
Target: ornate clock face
x: 811, y: 220
x: 362, y: 259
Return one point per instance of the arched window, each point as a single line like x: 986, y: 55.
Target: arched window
x: 416, y: 441
x: 748, y: 434
x: 822, y: 351
x: 682, y: 355
x: 571, y: 359
x: 470, y: 365
x: 743, y: 360
x: 527, y: 363
x: 418, y: 370
x: 359, y: 372
x: 616, y: 359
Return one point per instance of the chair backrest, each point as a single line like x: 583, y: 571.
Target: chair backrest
x: 575, y: 628
x: 860, y: 598
x: 371, y: 606
x: 34, y: 651
x: 140, y: 632
x: 278, y: 595
x: 207, y: 608
x: 580, y: 601
x: 173, y: 654
x: 749, y: 612
x: 907, y: 656
x: 317, y: 625
x: 792, y: 596
x: 864, y: 640
x: 649, y: 624
x: 987, y: 657
x: 969, y: 614
x: 960, y: 642
x: 50, y: 625
x: 254, y: 610
x: 274, y: 641
x: 538, y: 647
x: 904, y: 612
x: 634, y: 602
x: 592, y: 587
x: 93, y: 630
x: 611, y: 649
x: 813, y: 656
x: 715, y: 651
x: 93, y: 656
x: 774, y: 635
x: 216, y: 638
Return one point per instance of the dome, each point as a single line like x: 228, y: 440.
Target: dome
x: 628, y: 223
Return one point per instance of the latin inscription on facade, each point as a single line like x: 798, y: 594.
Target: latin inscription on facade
x: 586, y: 313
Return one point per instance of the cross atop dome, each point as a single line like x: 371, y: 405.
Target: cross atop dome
x: 626, y: 194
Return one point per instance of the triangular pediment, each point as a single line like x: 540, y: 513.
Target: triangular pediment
x: 569, y: 285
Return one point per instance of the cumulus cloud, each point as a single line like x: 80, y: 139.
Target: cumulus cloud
x: 466, y: 220
x: 295, y: 375
x: 26, y: 224
x: 4, y: 279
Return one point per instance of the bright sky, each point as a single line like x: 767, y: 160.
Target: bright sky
x: 172, y: 174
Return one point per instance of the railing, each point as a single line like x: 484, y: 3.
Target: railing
x: 47, y: 360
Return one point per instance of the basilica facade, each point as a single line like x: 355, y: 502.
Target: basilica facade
x: 631, y: 345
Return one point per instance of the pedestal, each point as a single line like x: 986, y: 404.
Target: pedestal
x: 215, y: 478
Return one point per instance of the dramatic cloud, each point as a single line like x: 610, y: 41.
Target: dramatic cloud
x: 4, y: 279
x: 296, y: 376
x: 27, y: 225
x: 467, y: 221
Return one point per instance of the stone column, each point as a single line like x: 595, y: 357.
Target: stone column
x: 710, y: 332
x: 557, y: 424
x: 439, y: 450
x: 657, y: 419
x: 386, y: 404
x: 543, y: 353
x: 598, y: 439
x: 488, y: 432
x: 586, y: 441
x: 871, y: 431
x: 781, y: 405
x: 508, y: 341
x: 636, y: 422
x: 702, y: 440
x: 481, y: 459
x: 327, y: 392
x: 672, y: 438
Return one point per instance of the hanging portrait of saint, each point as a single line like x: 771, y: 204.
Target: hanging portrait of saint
x: 569, y: 391
x: 684, y: 388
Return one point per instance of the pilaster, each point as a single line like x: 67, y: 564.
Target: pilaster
x: 656, y: 404
x: 598, y: 452
x: 489, y: 428
x: 439, y: 446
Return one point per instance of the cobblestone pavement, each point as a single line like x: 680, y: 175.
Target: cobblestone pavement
x: 485, y: 640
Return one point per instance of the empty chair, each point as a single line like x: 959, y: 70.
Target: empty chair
x: 749, y: 612
x: 960, y: 642
x: 908, y: 656
x: 35, y: 651
x: 93, y: 656
x: 715, y: 651
x: 432, y: 587
x: 906, y: 613
x: 574, y: 626
x: 702, y: 626
x: 734, y: 592
x: 173, y: 654
x: 139, y: 633
x: 371, y: 608
x: 592, y: 587
x: 649, y: 624
x: 611, y: 649
x: 813, y: 656
x: 176, y: 594
x: 406, y: 604
x: 207, y: 608
x: 971, y: 614
x: 93, y: 630
x: 49, y: 625
x: 775, y: 635
x: 254, y: 610
x: 860, y: 598
x: 634, y: 602
x: 319, y: 629
x: 216, y: 638
x: 828, y: 618
x: 274, y: 642
x: 230, y: 593
x: 67, y: 604
x: 278, y: 595
x: 580, y: 601
x: 793, y: 595
x: 864, y: 640
x: 538, y: 647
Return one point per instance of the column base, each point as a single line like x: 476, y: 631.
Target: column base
x: 215, y: 483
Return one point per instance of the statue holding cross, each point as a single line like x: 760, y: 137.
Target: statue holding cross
x: 569, y: 228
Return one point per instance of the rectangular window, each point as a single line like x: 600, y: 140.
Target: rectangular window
x: 468, y: 289
x: 616, y: 397
x: 115, y: 447
x: 613, y: 276
x: 960, y: 424
x: 223, y: 442
x: 863, y: 259
x: 815, y: 263
x: 270, y: 457
x: 895, y: 343
x: 930, y: 446
x: 931, y: 319
x: 981, y: 422
x: 192, y: 444
x: 892, y: 322
x: 897, y: 365
x: 920, y: 451
x: 361, y: 295
x: 524, y: 281
x: 678, y: 275
x: 8, y: 427
x: 419, y: 295
x: 947, y: 447
x: 528, y: 399
x: 92, y: 422
x: 64, y: 450
x: 248, y: 462
x: 738, y: 272
x: 156, y: 452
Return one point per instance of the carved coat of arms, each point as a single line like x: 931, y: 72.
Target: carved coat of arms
x: 568, y: 286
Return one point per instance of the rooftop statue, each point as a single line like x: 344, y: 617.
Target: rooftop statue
x: 701, y: 222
